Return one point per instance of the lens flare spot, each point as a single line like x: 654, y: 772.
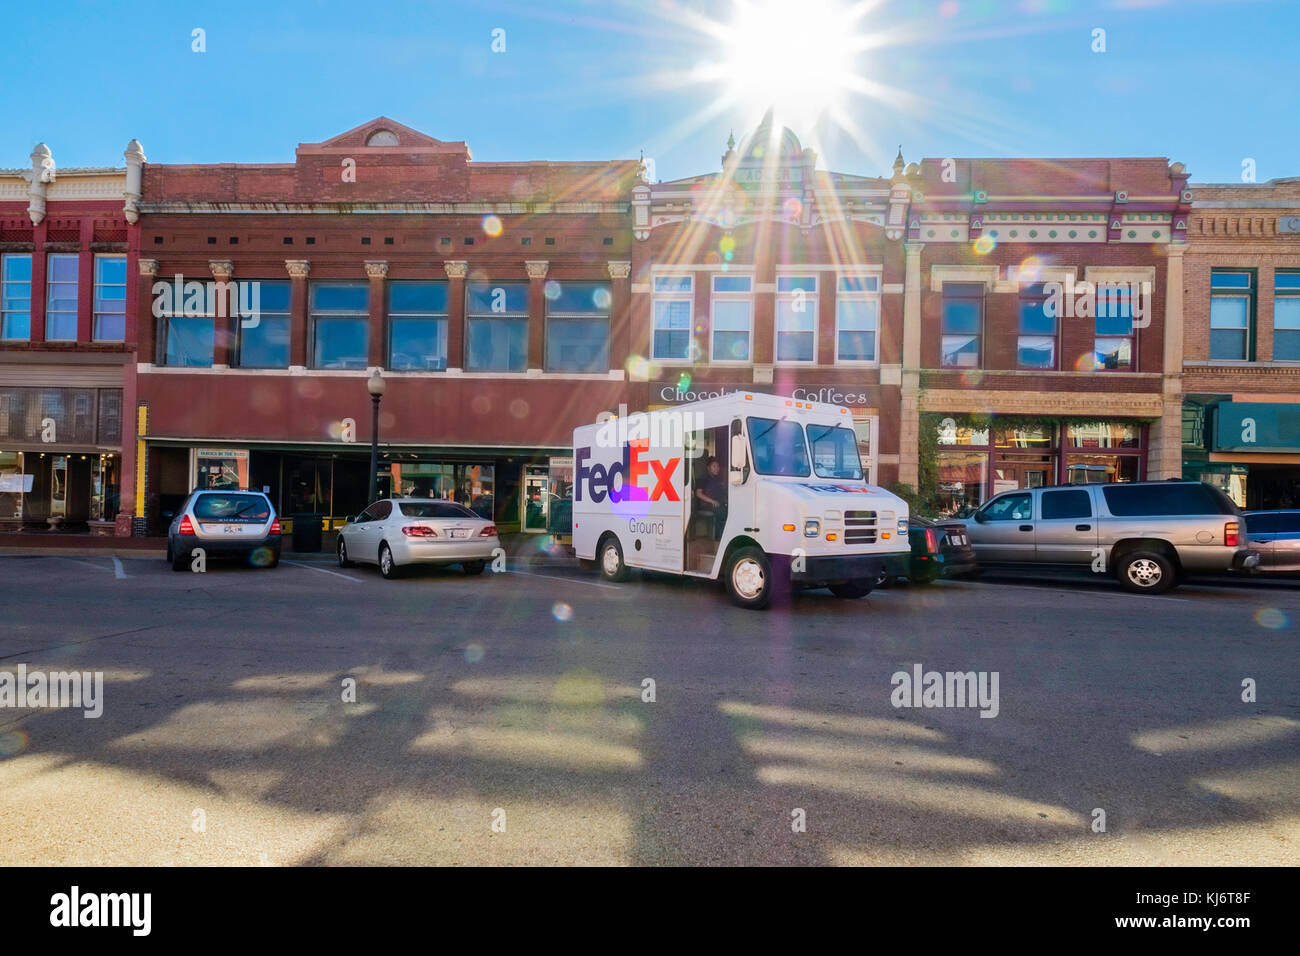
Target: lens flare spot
x: 793, y: 208
x: 727, y: 245
x: 1031, y: 270
x: 482, y: 404
x: 1271, y: 618
x: 1087, y: 362
x: 551, y: 290
x: 519, y: 408
x: 561, y: 611
x: 684, y: 382
x: 711, y: 258
x: 985, y: 244
x: 261, y: 557
x: 949, y: 8
x: 971, y: 377
x: 13, y: 743
x: 492, y: 226
x: 473, y: 653
x: 640, y: 367
x: 602, y: 298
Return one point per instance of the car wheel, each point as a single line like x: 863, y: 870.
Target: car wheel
x: 612, y: 565
x: 472, y: 568
x: 387, y: 566
x: 850, y: 590
x: 749, y: 578
x: 1146, y: 572
x: 180, y: 562
x: 343, y: 554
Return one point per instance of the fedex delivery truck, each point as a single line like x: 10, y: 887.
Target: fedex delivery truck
x: 766, y: 493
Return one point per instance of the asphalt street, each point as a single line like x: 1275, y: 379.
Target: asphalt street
x: 504, y: 719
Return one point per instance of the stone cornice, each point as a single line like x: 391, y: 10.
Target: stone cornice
x: 355, y: 208
x: 297, y: 268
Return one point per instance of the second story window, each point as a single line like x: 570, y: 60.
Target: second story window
x: 110, y: 299
x: 577, y: 327
x: 674, y: 301
x: 796, y: 318
x: 1286, y: 316
x: 962, y: 324
x: 733, y: 318
x: 417, y: 326
x: 187, y: 335
x: 61, y: 298
x: 1036, y: 345
x: 340, y: 318
x: 857, y: 318
x: 496, y: 326
x: 1113, y: 345
x: 1230, y: 313
x: 264, y: 343
x: 16, y: 297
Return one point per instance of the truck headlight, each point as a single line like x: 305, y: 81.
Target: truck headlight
x: 812, y: 528
x: 902, y: 526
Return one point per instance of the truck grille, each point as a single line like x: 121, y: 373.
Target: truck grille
x: 859, y: 527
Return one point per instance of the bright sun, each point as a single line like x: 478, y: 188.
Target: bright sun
x: 796, y: 56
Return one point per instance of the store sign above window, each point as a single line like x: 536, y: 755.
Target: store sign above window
x: 1256, y: 426
x: 830, y: 394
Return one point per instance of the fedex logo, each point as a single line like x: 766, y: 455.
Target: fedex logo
x: 599, y: 480
x: 840, y: 489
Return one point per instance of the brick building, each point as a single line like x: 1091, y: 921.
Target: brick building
x: 1241, y: 361
x: 1040, y: 345
x: 68, y: 241
x: 494, y: 297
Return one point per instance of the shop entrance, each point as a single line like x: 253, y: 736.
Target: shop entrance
x: 536, y: 498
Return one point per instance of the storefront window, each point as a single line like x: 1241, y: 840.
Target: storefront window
x: 104, y: 486
x: 1036, y: 437
x: 1104, y: 435
x: 952, y: 434
x: 963, y: 476
x: 221, y: 468
x: 13, y: 485
x: 1099, y: 469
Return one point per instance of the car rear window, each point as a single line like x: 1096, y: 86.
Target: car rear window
x: 435, y: 509
x: 227, y: 507
x: 1265, y: 522
x: 1175, y: 498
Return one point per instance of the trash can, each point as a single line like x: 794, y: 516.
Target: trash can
x: 307, y: 533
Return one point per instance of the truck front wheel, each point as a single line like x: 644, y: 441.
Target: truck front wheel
x: 612, y: 566
x: 749, y: 578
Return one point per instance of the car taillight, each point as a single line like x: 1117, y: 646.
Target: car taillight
x: 275, y: 526
x: 931, y: 540
x: 1232, y: 534
x: 187, y: 526
x: 418, y: 531
x: 488, y: 531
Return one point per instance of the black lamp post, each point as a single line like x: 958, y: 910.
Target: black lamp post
x: 375, y: 385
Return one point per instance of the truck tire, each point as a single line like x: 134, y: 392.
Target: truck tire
x: 851, y: 590
x: 749, y: 579
x: 612, y: 565
x: 1146, y: 572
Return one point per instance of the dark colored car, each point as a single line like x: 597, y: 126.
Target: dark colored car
x: 940, y: 549
x: 1276, y: 536
x: 224, y: 524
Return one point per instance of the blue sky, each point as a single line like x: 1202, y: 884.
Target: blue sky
x: 1208, y: 83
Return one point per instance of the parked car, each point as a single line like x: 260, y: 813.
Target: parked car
x: 940, y: 549
x: 1276, y: 536
x: 1148, y: 534
x: 224, y: 523
x: 399, y: 532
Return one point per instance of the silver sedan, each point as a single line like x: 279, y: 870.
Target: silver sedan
x: 398, y: 532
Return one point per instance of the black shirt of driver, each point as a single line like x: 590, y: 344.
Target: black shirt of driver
x: 714, y: 487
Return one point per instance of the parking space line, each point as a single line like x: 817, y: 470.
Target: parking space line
x: 557, y: 577
x: 118, y: 571
x: 1051, y: 587
x: 310, y: 567
x: 97, y: 567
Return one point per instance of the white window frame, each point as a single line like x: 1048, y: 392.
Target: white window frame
x: 676, y: 296
x: 871, y: 462
x: 49, y: 293
x: 876, y: 297
x: 714, y: 298
x: 811, y: 300
x: 4, y: 287
x: 96, y: 285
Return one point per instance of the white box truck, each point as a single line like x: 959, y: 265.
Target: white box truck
x: 765, y: 492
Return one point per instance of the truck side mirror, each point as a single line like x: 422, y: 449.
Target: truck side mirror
x: 739, y: 459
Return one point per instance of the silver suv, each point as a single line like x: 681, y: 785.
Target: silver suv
x: 1148, y: 534
x: 235, y: 523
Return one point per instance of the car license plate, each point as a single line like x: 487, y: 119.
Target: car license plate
x: 959, y: 540
x: 230, y: 528
x: 460, y: 532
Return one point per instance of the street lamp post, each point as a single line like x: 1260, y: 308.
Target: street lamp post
x: 375, y: 385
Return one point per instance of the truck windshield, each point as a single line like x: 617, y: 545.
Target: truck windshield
x: 779, y: 447
x: 834, y: 452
